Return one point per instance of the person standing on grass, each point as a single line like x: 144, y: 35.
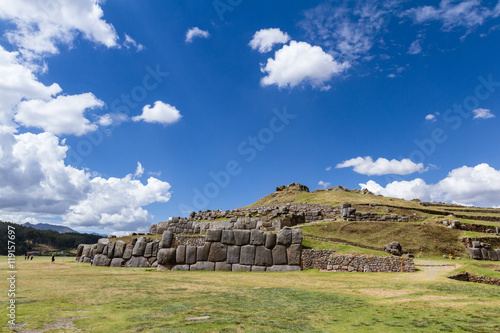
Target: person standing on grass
x: 53, y: 258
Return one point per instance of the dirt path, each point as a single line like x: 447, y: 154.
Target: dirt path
x: 433, y: 270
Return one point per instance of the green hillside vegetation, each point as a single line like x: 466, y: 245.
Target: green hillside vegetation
x: 31, y: 239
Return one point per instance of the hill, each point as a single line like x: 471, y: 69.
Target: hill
x: 46, y: 226
x: 31, y: 239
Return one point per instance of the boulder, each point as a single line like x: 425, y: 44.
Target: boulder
x: 152, y: 229
x: 394, y: 248
x: 270, y: 240
x: 137, y: 262
x: 279, y: 255
x: 214, y: 235
x: 484, y: 254
x: 117, y: 262
x: 263, y: 256
x: 203, y: 252
x: 247, y: 255
x: 133, y: 241
x: 127, y: 254
x: 101, y: 243
x: 223, y: 266
x: 79, y: 250
x: 476, y: 244
x: 294, y: 254
x: 492, y: 254
x: 296, y: 236
x: 156, y: 246
x: 241, y: 237
x: 241, y: 268
x: 105, y: 250
x: 257, y: 237
x: 119, y: 249
x: 180, y: 255
x: 166, y: 256
x: 475, y: 253
x: 218, y: 252
x: 227, y: 237
x: 284, y: 236
x: 166, y: 239
x: 233, y: 254
x: 139, y: 247
x: 111, y: 249
x: 203, y: 266
x: 191, y: 254
x: 148, y: 251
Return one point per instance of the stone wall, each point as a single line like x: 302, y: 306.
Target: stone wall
x: 188, y: 240
x: 350, y: 214
x: 474, y: 278
x: 494, y: 241
x: 350, y: 263
x: 237, y: 250
x: 316, y: 258
x: 483, y: 251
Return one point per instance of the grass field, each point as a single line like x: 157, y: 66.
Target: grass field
x: 67, y: 296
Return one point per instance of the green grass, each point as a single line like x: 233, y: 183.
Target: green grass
x: 315, y: 244
x: 417, y: 238
x: 140, y: 300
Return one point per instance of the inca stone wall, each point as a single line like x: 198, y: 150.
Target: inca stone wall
x: 483, y: 251
x: 494, y: 241
x: 237, y: 250
x: 316, y: 258
x: 474, y: 278
x: 350, y: 214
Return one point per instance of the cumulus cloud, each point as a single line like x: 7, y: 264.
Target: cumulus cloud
x: 323, y: 184
x: 452, y: 14
x: 430, y: 117
x: 42, y: 25
x: 382, y: 166
x: 162, y: 113
x: 264, y: 39
x: 196, y: 32
x: 139, y: 171
x: 479, y: 185
x: 483, y: 114
x: 35, y: 181
x: 328, y: 168
x: 301, y: 63
x: 61, y: 115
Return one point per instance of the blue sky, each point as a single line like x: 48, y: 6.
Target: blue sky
x: 118, y: 114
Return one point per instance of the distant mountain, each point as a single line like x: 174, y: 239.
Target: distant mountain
x: 45, y: 226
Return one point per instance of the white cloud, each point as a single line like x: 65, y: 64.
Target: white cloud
x: 452, y: 14
x: 34, y: 181
x: 265, y: 39
x: 392, y: 76
x: 41, y: 25
x: 139, y: 171
x: 61, y: 115
x: 130, y: 42
x: 160, y: 113
x: 430, y: 117
x: 349, y: 32
x: 415, y: 47
x: 483, y: 114
x: 196, y: 32
x: 328, y: 168
x: 301, y: 63
x: 479, y: 185
x: 112, y: 119
x: 382, y: 166
x: 323, y: 184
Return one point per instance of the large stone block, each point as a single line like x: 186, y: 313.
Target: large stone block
x: 191, y: 254
x: 117, y: 262
x: 296, y: 236
x: 156, y: 247
x: 283, y: 268
x: 214, y: 235
x: 137, y: 262
x: 227, y: 237
x: 180, y: 255
x: 203, y: 266
x: 279, y: 255
x: 241, y: 268
x: 203, y: 252
x: 105, y: 251
x: 148, y: 251
x: 284, y: 236
x: 180, y: 268
x: 87, y: 251
x: 263, y: 256
x: 247, y: 255
x: 476, y: 244
x: 218, y: 252
x: 111, y: 249
x: 270, y: 240
x: 475, y: 253
x: 166, y: 256
x: 127, y: 254
x: 101, y: 243
x: 119, y: 249
x: 139, y: 247
x: 164, y: 267
x: 241, y: 237
x: 259, y: 268
x: 492, y: 254
x: 257, y: 237
x: 79, y: 250
x: 484, y: 253
x: 294, y: 253
x: 233, y: 254
x: 223, y: 266
x: 166, y: 239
